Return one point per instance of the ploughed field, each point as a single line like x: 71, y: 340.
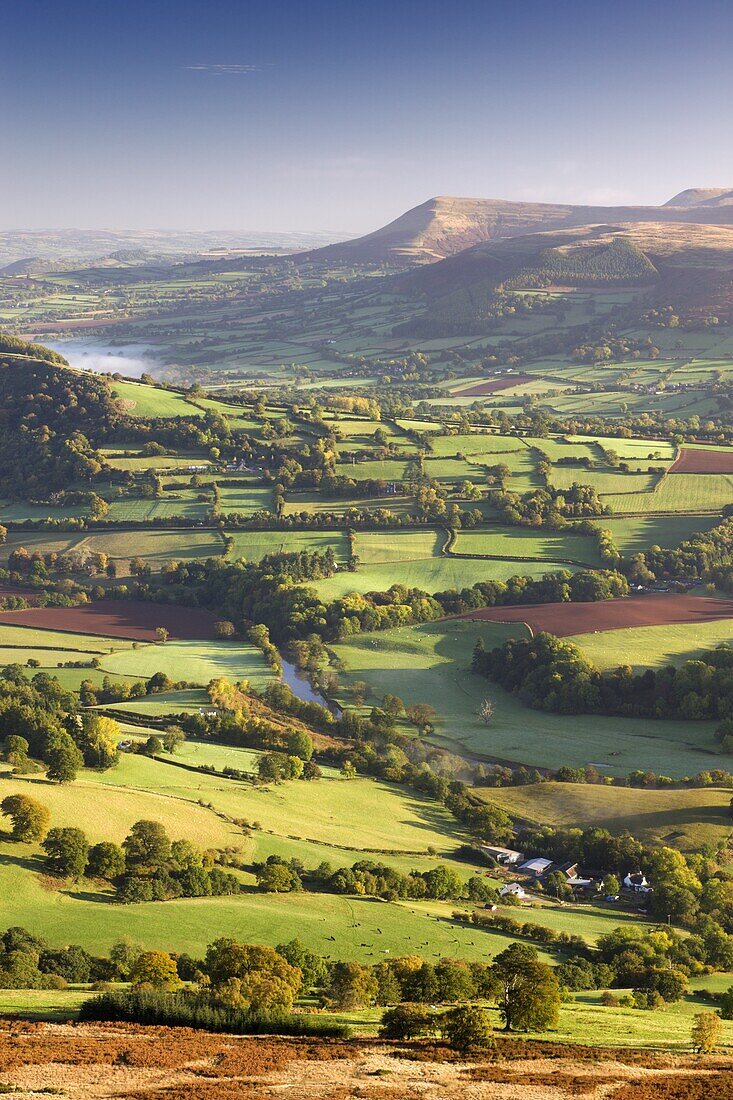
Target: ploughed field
x: 565, y: 619
x: 118, y: 619
x: 699, y: 460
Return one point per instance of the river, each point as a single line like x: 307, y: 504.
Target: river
x: 300, y: 686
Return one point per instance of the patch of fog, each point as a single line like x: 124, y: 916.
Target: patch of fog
x: 132, y: 360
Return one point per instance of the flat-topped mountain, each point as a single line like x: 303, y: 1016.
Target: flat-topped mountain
x: 445, y: 225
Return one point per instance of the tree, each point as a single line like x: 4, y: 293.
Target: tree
x: 156, y: 969
x: 467, y: 1027
x: 421, y: 714
x: 147, y: 847
x: 486, y: 711
x: 726, y: 1004
x: 63, y: 758
x: 67, y: 852
x: 611, y: 885
x: 123, y: 955
x: 153, y: 746
x: 16, y: 751
x: 99, y: 738
x: 351, y: 986
x: 528, y: 991
x: 161, y: 634
x: 249, y: 975
x: 224, y: 629
x: 300, y: 744
x: 106, y: 861
x: 406, y: 1021
x: 311, y: 965
x: 707, y: 1029
x: 30, y: 818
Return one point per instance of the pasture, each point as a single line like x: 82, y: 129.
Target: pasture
x: 677, y: 493
x: 684, y: 818
x: 525, y: 543
x: 654, y: 646
x: 196, y: 662
x: 431, y: 664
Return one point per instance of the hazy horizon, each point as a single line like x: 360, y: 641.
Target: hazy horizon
x: 334, y: 118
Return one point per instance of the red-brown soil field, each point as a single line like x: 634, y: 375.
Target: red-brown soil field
x: 115, y: 1061
x: 491, y: 385
x: 118, y: 619
x: 564, y: 619
x: 690, y: 460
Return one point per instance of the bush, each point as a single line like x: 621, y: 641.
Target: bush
x: 406, y: 1021
x: 186, y: 1010
x: 467, y: 1027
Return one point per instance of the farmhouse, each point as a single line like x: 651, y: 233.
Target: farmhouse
x: 506, y: 856
x: 536, y: 867
x: 637, y: 882
x: 514, y: 890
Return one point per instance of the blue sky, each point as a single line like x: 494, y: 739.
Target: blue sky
x: 338, y: 115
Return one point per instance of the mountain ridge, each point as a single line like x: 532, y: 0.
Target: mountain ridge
x: 445, y: 225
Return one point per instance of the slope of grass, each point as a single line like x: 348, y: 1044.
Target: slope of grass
x: 653, y: 646
x: 686, y: 818
x: 198, y: 662
x: 431, y: 664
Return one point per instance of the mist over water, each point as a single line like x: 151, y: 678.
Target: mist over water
x: 132, y: 360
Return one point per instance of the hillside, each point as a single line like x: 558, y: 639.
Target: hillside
x: 445, y: 225
x: 673, y: 258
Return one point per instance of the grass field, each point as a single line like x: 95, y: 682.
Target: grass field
x: 254, y: 545
x: 28, y: 637
x: 678, y: 493
x: 522, y: 542
x: 148, y: 401
x: 155, y: 547
x: 653, y: 646
x: 434, y: 574
x: 140, y: 511
x: 431, y: 664
x: 686, y: 818
x: 636, y: 534
x: 197, y: 662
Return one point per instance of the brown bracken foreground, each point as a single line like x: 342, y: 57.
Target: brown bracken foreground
x: 136, y: 1062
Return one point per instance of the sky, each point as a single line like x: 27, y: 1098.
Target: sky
x: 337, y: 115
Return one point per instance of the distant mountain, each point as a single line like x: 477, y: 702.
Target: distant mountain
x: 702, y: 196
x: 445, y: 225
x: 677, y: 261
x: 53, y: 249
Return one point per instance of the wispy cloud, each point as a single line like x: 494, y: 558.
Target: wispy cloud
x: 224, y: 70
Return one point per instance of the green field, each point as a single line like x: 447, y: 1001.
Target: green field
x: 636, y: 534
x: 146, y: 401
x: 435, y: 574
x: 678, y: 493
x: 653, y: 646
x: 196, y: 662
x: 155, y: 546
x: 522, y: 542
x: 685, y: 818
x: 431, y: 664
x: 254, y: 545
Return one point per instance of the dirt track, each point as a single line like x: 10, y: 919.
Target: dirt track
x: 111, y: 1062
x: 564, y: 619
x: 690, y: 460
x: 119, y: 619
